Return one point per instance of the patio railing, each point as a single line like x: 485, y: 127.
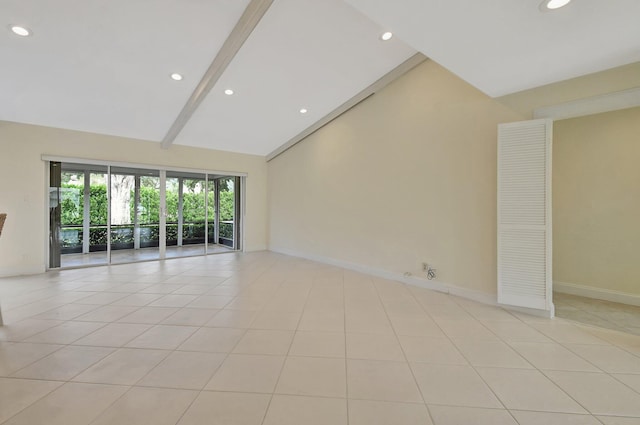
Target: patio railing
x: 123, y: 236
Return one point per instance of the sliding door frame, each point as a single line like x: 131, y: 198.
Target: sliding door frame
x: 239, y: 178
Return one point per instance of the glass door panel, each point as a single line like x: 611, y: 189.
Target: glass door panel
x: 71, y: 213
x: 212, y: 231
x: 194, y: 215
x: 174, y: 224
x: 135, y: 215
x: 227, y: 212
x: 81, y: 215
x: 222, y: 213
x: 96, y: 245
x: 55, y: 226
x: 185, y: 214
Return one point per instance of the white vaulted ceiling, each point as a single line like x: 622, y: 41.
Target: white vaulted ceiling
x: 103, y: 66
x: 304, y: 54
x: 505, y: 46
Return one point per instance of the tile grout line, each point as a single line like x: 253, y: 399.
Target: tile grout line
x: 534, y: 368
x: 284, y: 361
x: 34, y: 402
x: 199, y: 392
x: 114, y: 351
x: 465, y: 357
x: 415, y: 380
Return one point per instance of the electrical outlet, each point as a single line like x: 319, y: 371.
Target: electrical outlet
x: 429, y: 270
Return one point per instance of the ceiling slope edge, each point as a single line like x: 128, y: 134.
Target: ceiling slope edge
x: 607, y: 102
x: 232, y: 45
x: 378, y: 85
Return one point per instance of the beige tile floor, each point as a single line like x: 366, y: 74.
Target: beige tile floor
x: 261, y: 338
x: 605, y: 314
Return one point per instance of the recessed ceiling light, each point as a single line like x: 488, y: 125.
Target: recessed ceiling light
x: 303, y: 111
x: 553, y: 4
x: 175, y: 76
x: 21, y: 31
x: 386, y: 36
x: 228, y: 92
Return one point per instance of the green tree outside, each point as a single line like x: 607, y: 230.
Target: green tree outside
x: 193, y: 205
x: 72, y: 210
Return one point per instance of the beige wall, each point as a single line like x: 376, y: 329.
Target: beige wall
x: 596, y: 201
x: 22, y: 183
x: 407, y: 176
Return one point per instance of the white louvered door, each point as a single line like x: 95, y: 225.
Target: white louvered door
x: 524, y: 214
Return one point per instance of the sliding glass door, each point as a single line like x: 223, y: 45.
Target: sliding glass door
x: 102, y: 214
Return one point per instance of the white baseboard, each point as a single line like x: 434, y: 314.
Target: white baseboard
x: 255, y: 248
x: 435, y: 285
x: 547, y: 314
x: 21, y: 271
x: 596, y: 293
